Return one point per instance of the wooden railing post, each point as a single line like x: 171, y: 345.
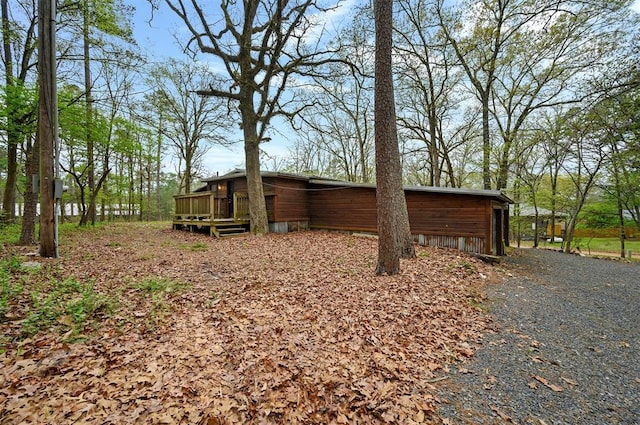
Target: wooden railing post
x: 212, y: 206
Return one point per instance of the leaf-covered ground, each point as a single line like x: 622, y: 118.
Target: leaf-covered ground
x: 288, y: 328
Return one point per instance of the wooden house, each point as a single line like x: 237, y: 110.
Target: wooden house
x: 469, y: 220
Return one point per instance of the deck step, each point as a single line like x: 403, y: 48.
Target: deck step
x: 230, y: 235
x: 229, y: 229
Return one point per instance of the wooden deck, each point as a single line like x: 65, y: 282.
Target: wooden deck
x: 202, y: 210
x: 219, y: 227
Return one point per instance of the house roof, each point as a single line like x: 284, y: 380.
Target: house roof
x: 429, y: 189
x: 237, y: 173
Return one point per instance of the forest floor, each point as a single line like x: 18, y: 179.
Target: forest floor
x: 137, y: 323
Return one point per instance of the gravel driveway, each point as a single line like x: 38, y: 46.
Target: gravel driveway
x: 566, y: 347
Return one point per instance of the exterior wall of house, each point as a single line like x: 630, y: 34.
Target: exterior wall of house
x: 447, y: 214
x: 458, y: 221
x: 285, y: 199
x: 290, y: 200
x: 472, y: 222
x: 351, y: 208
x: 450, y: 220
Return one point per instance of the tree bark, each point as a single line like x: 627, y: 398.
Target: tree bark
x: 91, y: 210
x: 158, y: 165
x: 486, y: 142
x: 257, y: 204
x: 394, y: 234
x: 47, y: 125
x: 28, y: 230
x: 9, y: 196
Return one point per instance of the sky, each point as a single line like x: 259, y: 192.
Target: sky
x: 157, y: 38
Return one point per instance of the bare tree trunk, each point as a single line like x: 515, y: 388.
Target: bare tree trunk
x: 28, y: 230
x: 9, y: 196
x: 618, y: 188
x: 91, y: 210
x: 141, y: 178
x: 47, y: 126
x: 623, y: 236
x: 158, y: 165
x: 486, y: 142
x: 394, y: 234
x: 257, y: 205
x: 187, y: 171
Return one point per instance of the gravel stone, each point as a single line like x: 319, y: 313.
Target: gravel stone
x: 565, y: 348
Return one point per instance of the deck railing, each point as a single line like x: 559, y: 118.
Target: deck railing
x: 194, y: 205
x: 240, y: 206
x: 203, y: 206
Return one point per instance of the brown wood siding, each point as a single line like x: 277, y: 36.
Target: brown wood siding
x: 454, y: 220
x: 343, y: 209
x: 446, y: 214
x: 240, y: 185
x: 488, y: 226
x: 462, y: 220
x: 290, y: 203
x: 270, y: 202
x: 429, y: 213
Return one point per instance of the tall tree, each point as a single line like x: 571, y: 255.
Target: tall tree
x: 18, y: 39
x: 428, y: 75
x: 192, y: 123
x: 544, y: 67
x: 518, y: 56
x: 32, y: 168
x: 90, y: 214
x: 73, y: 131
x: 480, y: 65
x: 587, y: 156
x: 47, y: 125
x: 618, y: 115
x: 394, y: 235
x: 103, y: 30
x: 338, y: 109
x: 262, y: 45
x: 8, y: 201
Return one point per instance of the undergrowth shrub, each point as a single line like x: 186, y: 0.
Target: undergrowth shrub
x: 70, y: 303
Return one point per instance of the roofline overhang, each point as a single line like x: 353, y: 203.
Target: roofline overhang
x: 238, y: 173
x: 497, y: 194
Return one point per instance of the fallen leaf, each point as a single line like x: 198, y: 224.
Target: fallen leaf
x: 277, y: 338
x: 569, y: 381
x: 66, y: 320
x: 546, y: 383
x: 501, y: 414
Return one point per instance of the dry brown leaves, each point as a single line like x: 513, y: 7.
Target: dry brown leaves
x: 288, y: 328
